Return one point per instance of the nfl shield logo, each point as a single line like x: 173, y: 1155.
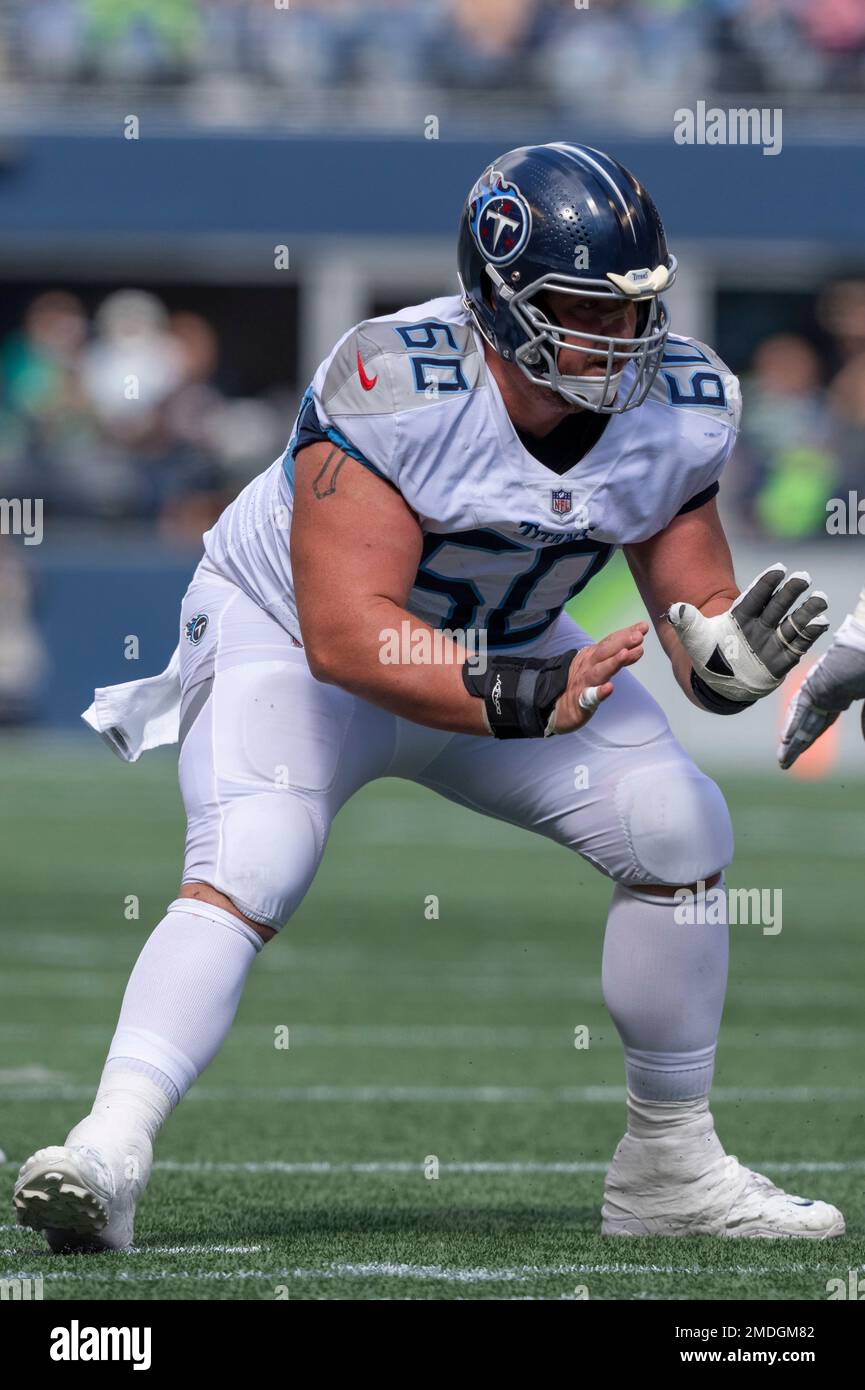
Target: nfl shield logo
x: 561, y: 501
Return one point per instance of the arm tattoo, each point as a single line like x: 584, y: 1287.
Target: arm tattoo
x: 324, y: 482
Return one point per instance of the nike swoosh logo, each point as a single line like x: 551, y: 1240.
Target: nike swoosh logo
x: 367, y: 382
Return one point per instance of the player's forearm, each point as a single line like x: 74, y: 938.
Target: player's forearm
x: 688, y: 562
x: 383, y: 654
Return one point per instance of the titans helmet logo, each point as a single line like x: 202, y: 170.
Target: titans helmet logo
x: 499, y: 216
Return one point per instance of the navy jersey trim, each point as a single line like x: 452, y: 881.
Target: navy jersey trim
x: 700, y: 499
x: 309, y: 430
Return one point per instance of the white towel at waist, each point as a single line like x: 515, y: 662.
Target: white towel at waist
x: 138, y: 715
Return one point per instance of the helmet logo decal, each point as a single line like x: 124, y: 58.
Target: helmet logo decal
x: 499, y: 216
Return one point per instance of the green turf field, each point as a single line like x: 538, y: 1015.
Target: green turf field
x: 302, y: 1170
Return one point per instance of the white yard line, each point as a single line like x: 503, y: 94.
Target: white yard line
x: 480, y: 1167
x: 174, y: 1250
x: 468, y: 1036
x: 30, y: 1075
x: 430, y: 1273
x: 327, y: 1168
x: 436, y: 1095
x: 477, y: 983
x: 196, y: 1250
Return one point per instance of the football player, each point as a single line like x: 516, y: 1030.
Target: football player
x: 467, y: 466
x: 829, y: 688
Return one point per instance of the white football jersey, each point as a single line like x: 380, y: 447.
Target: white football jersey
x: 507, y: 541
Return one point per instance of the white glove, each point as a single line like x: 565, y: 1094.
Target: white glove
x: 741, y: 655
x: 831, y: 686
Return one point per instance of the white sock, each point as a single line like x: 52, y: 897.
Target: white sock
x: 654, y: 1119
x: 178, y: 1006
x: 672, y: 1140
x: 664, y: 984
x: 183, y: 993
x: 128, y: 1113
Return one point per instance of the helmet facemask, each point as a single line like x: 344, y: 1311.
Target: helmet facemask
x: 538, y: 355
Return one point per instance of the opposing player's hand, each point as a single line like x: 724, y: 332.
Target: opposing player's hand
x: 834, y: 683
x: 745, y: 653
x: 590, y: 676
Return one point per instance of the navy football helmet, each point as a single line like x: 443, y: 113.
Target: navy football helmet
x: 570, y: 219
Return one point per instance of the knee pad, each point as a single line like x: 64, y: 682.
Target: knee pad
x: 271, y: 845
x: 676, y: 822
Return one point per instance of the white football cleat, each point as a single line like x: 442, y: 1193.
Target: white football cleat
x: 71, y: 1193
x: 688, y: 1186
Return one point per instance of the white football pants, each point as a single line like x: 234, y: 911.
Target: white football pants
x: 269, y: 755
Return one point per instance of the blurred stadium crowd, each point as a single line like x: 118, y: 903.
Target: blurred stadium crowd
x: 535, y: 47
x: 803, y: 422
x: 122, y: 416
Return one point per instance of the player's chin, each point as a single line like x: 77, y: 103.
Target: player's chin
x: 543, y: 394
x: 594, y: 367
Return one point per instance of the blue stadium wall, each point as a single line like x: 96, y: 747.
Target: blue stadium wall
x: 72, y: 186
x: 88, y: 599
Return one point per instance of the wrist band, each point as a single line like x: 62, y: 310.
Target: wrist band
x: 519, y: 693
x: 712, y: 701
